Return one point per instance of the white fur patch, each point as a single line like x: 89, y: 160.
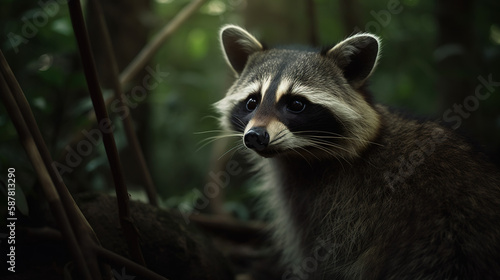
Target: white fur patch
x: 276, y: 129
x: 334, y: 103
x: 283, y: 88
x: 265, y: 86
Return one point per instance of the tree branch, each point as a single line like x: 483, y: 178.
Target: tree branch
x: 47, y: 233
x: 81, y: 227
x: 46, y: 183
x: 106, y: 127
x: 110, y: 61
x: 150, y: 49
x: 143, y: 57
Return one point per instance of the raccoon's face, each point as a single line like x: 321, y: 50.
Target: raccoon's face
x: 300, y: 102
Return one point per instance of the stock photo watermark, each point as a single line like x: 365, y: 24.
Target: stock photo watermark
x: 462, y: 111
x: 454, y: 116
x: 408, y: 165
x: 92, y: 138
x: 382, y: 17
x: 38, y: 19
x: 200, y: 201
x: 323, y: 251
x: 11, y: 219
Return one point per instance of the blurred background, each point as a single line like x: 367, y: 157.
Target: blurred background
x: 435, y: 56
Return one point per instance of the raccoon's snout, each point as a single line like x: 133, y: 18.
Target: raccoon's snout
x: 257, y: 139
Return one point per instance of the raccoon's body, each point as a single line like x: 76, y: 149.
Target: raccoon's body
x: 354, y: 190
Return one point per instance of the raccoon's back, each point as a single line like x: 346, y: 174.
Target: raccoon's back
x: 419, y: 204
x: 446, y: 202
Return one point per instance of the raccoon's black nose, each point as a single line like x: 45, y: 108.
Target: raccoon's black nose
x: 257, y: 138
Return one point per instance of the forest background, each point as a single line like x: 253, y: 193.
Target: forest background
x: 440, y: 60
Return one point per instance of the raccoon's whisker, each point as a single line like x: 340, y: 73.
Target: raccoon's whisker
x: 317, y: 132
x: 335, y: 136
x: 225, y: 135
x: 281, y: 132
x: 328, y: 144
x: 210, y: 117
x: 301, y: 155
x: 241, y: 123
x: 221, y: 136
x: 321, y: 146
x: 205, y: 143
x: 278, y: 137
x: 331, y: 153
x: 211, y: 131
x: 212, y: 139
x: 350, y: 138
x: 304, y: 149
x: 241, y: 127
x: 314, y: 134
x: 235, y: 148
x: 238, y: 145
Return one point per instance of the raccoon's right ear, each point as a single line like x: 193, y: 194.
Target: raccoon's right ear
x: 356, y: 56
x: 238, y: 45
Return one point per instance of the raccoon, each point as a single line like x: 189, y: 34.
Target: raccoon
x: 354, y: 189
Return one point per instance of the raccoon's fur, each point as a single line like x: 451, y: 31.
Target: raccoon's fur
x: 356, y: 191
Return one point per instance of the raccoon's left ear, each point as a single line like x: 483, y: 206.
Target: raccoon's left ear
x: 238, y: 45
x: 357, y: 57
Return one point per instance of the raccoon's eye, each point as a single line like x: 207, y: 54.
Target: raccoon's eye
x: 296, y: 106
x: 252, y: 103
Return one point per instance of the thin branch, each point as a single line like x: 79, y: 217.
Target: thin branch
x: 112, y: 69
x: 78, y: 221
x: 106, y: 127
x: 46, y: 183
x: 150, y: 49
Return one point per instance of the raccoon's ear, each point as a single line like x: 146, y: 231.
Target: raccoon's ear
x: 238, y: 45
x: 357, y: 57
